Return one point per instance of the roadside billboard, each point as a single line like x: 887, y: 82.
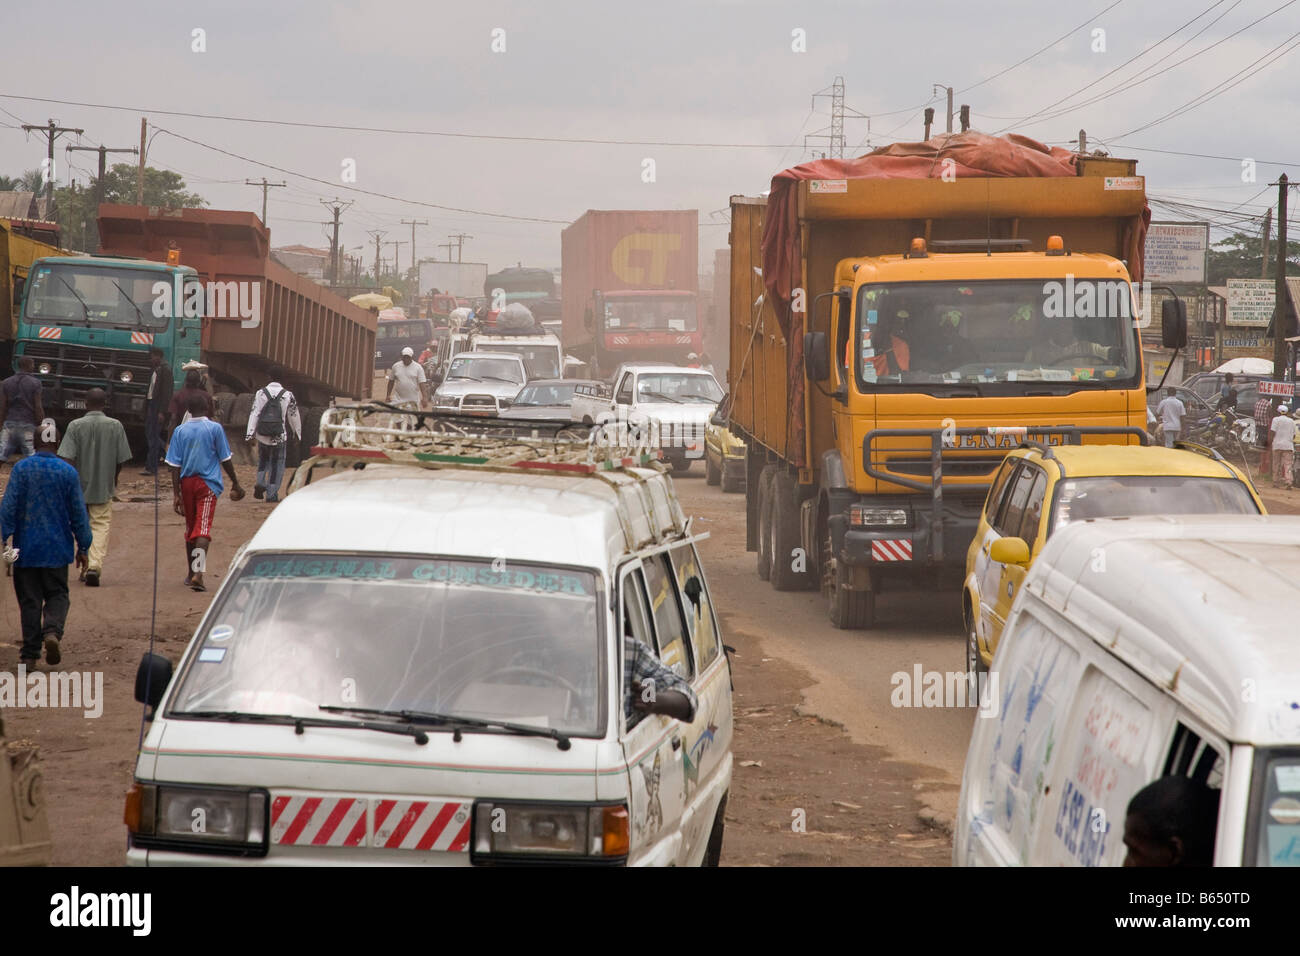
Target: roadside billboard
x: 1176, y: 253
x: 1250, y: 302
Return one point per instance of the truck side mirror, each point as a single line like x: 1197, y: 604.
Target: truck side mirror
x: 1173, y: 323
x: 151, y: 680
x: 816, y: 356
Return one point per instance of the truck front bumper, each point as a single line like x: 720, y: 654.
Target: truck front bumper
x: 907, y: 546
x: 65, y: 400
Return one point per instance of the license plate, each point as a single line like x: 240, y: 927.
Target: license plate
x: 75, y: 403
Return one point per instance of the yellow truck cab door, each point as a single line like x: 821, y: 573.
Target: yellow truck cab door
x: 652, y: 743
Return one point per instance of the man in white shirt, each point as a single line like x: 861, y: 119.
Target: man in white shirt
x: 408, y: 386
x: 273, y: 418
x: 1170, y: 411
x: 1282, y: 443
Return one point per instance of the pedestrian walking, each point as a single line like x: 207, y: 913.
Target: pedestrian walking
x: 96, y: 446
x: 1281, y: 433
x: 44, y: 514
x: 273, y: 421
x: 178, y: 410
x: 157, y: 402
x: 408, y: 386
x: 1263, y: 414
x: 20, y: 409
x: 196, y: 456
x: 1170, y: 411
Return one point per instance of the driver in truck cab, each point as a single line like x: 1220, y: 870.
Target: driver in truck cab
x: 1060, y: 340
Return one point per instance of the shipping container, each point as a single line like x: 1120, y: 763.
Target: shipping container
x: 637, y: 271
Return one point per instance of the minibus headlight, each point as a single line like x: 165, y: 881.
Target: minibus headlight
x: 557, y: 829
x: 162, y: 815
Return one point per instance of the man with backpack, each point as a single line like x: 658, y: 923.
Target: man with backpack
x: 274, y: 417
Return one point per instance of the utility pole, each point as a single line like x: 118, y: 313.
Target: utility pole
x: 447, y: 246
x: 335, y: 206
x: 1268, y: 228
x: 413, y: 223
x: 460, y: 238
x: 929, y: 120
x: 948, y: 90
x: 397, y: 245
x: 103, y: 171
x: 52, y: 132
x: 376, y: 235
x: 264, y: 185
x: 1083, y: 142
x: 139, y: 172
x: 1281, y: 326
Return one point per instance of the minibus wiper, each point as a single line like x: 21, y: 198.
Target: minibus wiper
x: 299, y: 723
x: 457, y: 723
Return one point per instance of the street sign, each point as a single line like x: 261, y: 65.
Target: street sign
x: 1284, y: 389
x: 1175, y: 252
x: 1250, y: 301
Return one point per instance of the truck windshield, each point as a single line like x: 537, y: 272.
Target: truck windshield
x: 540, y: 361
x: 486, y: 369
x: 1079, y: 331
x: 89, y: 295
x: 1276, y: 799
x: 296, y: 632
x: 650, y: 314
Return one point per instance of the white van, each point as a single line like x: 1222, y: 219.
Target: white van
x: 421, y: 662
x: 1138, y: 649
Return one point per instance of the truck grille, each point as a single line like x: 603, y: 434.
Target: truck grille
x: 80, y: 361
x: 966, y: 467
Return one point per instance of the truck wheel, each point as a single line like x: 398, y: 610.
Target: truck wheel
x: 310, y: 429
x: 974, y: 661
x: 712, y: 473
x: 848, y: 610
x: 681, y: 466
x: 764, y: 518
x: 224, y: 401
x: 784, y: 534
x: 240, y: 409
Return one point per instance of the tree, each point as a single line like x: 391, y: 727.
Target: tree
x: 76, y: 207
x: 31, y: 181
x: 1239, y: 257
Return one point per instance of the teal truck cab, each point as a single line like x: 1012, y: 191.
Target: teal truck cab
x: 90, y: 321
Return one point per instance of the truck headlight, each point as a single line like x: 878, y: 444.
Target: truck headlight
x: 45, y: 368
x: 220, y: 818
x: 863, y: 516
x: 557, y: 829
x: 125, y: 377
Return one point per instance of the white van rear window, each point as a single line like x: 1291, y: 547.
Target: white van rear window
x: 1278, y: 823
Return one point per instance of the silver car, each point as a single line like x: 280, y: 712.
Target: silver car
x: 480, y: 383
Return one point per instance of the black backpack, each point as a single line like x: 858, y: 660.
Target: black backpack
x: 270, y: 423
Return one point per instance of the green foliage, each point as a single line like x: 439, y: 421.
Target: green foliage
x: 1239, y: 257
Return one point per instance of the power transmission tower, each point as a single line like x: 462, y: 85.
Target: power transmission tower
x: 52, y: 132
x: 460, y: 238
x: 264, y: 185
x: 103, y: 171
x: 335, y: 206
x: 377, y: 236
x: 413, y: 223
x: 834, y: 133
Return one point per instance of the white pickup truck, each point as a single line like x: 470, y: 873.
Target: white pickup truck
x: 675, y: 402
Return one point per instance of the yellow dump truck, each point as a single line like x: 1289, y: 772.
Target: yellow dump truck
x: 17, y: 253
x: 892, y: 338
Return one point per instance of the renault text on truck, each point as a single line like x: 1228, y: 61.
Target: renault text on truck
x: 893, y: 338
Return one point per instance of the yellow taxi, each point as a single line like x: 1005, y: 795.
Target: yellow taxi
x: 1039, y: 489
x: 724, y: 456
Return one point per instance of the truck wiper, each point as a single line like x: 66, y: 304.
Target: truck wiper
x: 138, y: 314
x: 458, y: 723
x: 84, y: 308
x: 298, y: 723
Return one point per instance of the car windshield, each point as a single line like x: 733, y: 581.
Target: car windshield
x: 678, y: 387
x: 486, y: 369
x: 545, y: 395
x: 405, y: 330
x: 540, y: 361
x: 1277, y: 783
x: 85, y: 295
x: 1136, y: 495
x: 449, y: 635
x: 649, y: 313
x: 998, y: 332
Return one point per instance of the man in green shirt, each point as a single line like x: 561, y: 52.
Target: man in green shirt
x: 97, y: 446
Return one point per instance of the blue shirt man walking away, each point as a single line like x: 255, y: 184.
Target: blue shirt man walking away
x: 44, y: 513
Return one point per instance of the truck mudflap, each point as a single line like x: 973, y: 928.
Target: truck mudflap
x: 924, y: 536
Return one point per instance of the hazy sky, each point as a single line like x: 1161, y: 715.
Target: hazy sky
x: 698, y: 72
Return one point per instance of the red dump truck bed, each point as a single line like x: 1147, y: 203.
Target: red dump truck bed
x: 324, y: 343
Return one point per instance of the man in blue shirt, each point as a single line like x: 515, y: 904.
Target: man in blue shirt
x: 196, y: 456
x: 43, y: 511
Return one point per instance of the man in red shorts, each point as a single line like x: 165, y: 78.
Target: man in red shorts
x: 196, y: 455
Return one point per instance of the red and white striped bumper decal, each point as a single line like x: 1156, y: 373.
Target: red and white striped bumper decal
x: 440, y: 825
x: 49, y: 332
x: 892, y: 549
x: 142, y: 338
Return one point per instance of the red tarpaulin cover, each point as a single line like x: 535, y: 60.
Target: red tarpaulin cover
x: 972, y: 154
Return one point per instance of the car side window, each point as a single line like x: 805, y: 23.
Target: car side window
x: 695, y: 601
x: 670, y: 628
x: 1017, y: 496
x: 1033, y: 516
x: 994, y: 502
x: 636, y: 622
x: 624, y: 395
